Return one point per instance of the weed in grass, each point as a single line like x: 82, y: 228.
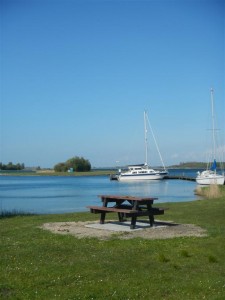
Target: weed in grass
x: 176, y: 267
x: 185, y: 253
x: 162, y: 258
x: 126, y: 233
x: 6, y: 292
x: 212, y: 259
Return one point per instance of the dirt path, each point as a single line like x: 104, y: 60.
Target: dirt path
x: 161, y: 230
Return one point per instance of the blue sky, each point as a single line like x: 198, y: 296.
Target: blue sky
x: 76, y: 77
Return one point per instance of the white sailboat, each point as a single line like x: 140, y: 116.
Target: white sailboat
x: 211, y: 176
x: 143, y: 171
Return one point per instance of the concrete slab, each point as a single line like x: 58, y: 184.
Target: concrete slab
x: 124, y: 226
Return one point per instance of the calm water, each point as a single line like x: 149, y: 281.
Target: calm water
x: 72, y: 194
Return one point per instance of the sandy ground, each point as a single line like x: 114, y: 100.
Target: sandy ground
x: 161, y: 230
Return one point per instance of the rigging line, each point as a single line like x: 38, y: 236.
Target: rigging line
x: 155, y: 142
x: 215, y: 138
x: 213, y: 124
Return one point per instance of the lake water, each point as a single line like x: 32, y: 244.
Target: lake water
x: 53, y: 194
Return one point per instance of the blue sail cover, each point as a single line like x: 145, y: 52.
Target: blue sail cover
x: 213, y: 167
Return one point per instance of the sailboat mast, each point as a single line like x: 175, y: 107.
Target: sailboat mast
x: 213, y: 126
x: 146, y: 141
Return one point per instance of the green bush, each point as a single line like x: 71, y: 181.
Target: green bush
x: 77, y: 164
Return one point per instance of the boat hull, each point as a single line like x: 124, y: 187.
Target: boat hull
x: 132, y: 177
x: 213, y: 179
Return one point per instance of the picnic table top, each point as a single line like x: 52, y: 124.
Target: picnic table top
x: 124, y: 197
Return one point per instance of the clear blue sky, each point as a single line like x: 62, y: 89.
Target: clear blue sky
x: 76, y: 77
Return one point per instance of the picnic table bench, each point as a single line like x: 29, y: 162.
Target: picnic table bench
x: 135, y: 207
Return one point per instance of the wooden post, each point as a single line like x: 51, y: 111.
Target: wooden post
x: 151, y: 220
x: 133, y: 222
x: 102, y: 219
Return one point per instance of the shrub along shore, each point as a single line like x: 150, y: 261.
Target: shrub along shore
x: 37, y: 264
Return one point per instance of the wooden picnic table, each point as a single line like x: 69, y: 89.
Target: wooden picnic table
x: 127, y: 206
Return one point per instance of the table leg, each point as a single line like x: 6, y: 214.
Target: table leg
x: 151, y: 220
x: 133, y: 222
x: 135, y: 205
x: 121, y: 217
x: 102, y: 218
x: 104, y: 202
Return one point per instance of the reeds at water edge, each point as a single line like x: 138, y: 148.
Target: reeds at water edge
x: 211, y: 191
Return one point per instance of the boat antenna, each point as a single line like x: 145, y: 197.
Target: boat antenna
x: 157, y: 147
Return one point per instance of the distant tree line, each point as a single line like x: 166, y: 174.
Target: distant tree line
x: 77, y: 164
x: 11, y: 166
x: 194, y: 165
x: 191, y: 165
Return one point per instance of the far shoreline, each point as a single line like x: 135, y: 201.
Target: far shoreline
x: 53, y: 173
x: 94, y: 172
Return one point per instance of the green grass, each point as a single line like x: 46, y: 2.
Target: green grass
x: 37, y: 264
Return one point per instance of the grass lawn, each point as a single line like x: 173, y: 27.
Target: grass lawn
x: 37, y: 264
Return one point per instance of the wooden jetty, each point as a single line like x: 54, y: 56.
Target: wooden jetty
x: 181, y: 177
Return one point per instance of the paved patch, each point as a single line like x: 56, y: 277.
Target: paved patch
x: 125, y: 226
